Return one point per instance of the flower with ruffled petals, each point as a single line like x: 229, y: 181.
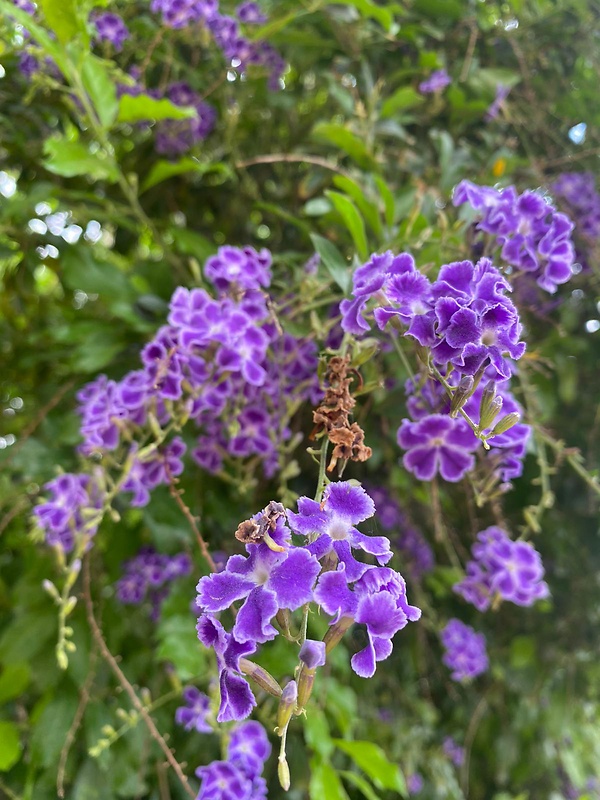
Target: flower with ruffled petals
x: 437, y: 444
x: 329, y: 526
x: 249, y: 748
x: 267, y: 580
x: 377, y: 600
x: 237, y: 700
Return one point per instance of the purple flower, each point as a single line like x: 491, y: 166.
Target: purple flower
x: 192, y: 715
x: 436, y: 82
x: 465, y: 649
x: 154, y: 470
x: 237, y: 700
x: 267, y: 581
x: 454, y: 751
x: 250, y: 13
x: 377, y: 600
x: 224, y: 781
x: 111, y: 28
x: 511, y: 570
x: 175, y: 137
x: 249, y: 748
x: 329, y: 526
x: 148, y: 574
x: 65, y: 515
x: 414, y: 783
x: 312, y: 654
x: 243, y: 268
x: 437, y: 444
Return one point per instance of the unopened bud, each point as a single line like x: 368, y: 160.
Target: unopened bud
x: 506, y: 423
x: 487, y: 396
x: 70, y: 605
x: 61, y: 658
x: 486, y: 420
x: 306, y: 681
x: 336, y: 632
x: 260, y: 676
x: 461, y: 395
x: 283, y: 773
x: 287, y: 705
x: 51, y: 589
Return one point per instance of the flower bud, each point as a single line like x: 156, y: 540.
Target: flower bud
x: 51, y: 589
x: 506, y: 423
x: 283, y: 773
x: 336, y: 632
x: 488, y: 394
x: 312, y: 654
x: 287, y: 706
x: 461, y: 395
x: 260, y: 676
x: 306, y: 681
x: 486, y: 420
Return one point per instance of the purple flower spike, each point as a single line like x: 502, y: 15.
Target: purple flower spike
x: 249, y: 748
x: 329, y: 526
x: 454, y: 751
x: 312, y: 654
x: 237, y: 700
x: 62, y: 517
x: 465, y: 649
x: 436, y: 82
x: 437, y: 443
x: 192, y: 716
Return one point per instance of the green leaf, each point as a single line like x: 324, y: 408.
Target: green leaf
x: 51, y: 718
x: 62, y: 18
x: 101, y: 89
x: 388, y: 199
x: 71, y: 158
x: 353, y: 221
x: 325, y: 783
x: 334, y: 261
x: 361, y: 784
x: 374, y: 762
x: 14, y: 679
x: 143, y: 107
x: 316, y: 732
x: 191, y: 243
x: 162, y: 170
x: 345, y: 140
x: 367, y: 208
x: 179, y: 645
x: 10, y: 746
x: 384, y: 15
x: 403, y: 99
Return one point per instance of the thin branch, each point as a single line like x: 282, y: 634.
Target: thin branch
x: 292, y: 158
x: 137, y: 703
x: 469, y: 53
x: 84, y: 698
x: 480, y: 710
x: 177, y: 495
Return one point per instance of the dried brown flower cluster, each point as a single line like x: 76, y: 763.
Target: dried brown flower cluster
x: 333, y: 415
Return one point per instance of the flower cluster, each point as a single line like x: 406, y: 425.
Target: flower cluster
x: 238, y: 778
x: 501, y: 567
x: 279, y: 577
x: 111, y: 28
x: 464, y: 317
x: 148, y: 575
x: 490, y: 401
x: 465, y: 650
x: 535, y: 238
x: 226, y: 364
x: 175, y: 137
x: 73, y: 508
x: 436, y: 82
x: 239, y: 51
x: 193, y: 715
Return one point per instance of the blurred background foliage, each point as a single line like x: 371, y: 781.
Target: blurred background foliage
x: 97, y: 229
